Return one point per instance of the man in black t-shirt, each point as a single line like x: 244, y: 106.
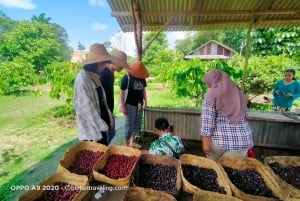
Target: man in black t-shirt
x: 133, y: 99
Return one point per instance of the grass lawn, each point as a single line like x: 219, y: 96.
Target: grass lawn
x: 27, y: 137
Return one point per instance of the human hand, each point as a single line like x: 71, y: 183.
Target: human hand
x: 124, y: 110
x: 205, y: 148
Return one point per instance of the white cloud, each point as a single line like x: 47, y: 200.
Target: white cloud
x: 23, y: 4
x: 97, y: 26
x: 101, y: 3
x: 124, y: 42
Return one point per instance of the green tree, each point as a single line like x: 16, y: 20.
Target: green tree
x: 41, y: 18
x: 203, y: 37
x: 62, y: 78
x: 263, y: 72
x: 6, y: 24
x: 61, y: 35
x: 235, y: 39
x: 185, y: 76
x: 80, y: 46
x: 276, y: 41
x: 35, y: 42
x: 16, y: 76
x: 154, y: 50
x: 185, y: 45
x: 188, y: 83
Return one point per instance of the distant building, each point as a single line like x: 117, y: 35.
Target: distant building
x: 212, y: 50
x: 79, y: 55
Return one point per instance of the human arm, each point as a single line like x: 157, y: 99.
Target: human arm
x: 276, y: 89
x: 296, y: 93
x: 144, y: 151
x: 145, y: 97
x: 209, y: 114
x: 123, y: 102
x: 206, y: 145
x: 124, y: 93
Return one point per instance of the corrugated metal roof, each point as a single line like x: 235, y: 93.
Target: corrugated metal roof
x: 207, y: 14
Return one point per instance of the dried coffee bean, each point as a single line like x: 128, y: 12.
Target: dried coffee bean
x: 203, y: 178
x: 290, y: 174
x: 249, y: 181
x: 157, y: 177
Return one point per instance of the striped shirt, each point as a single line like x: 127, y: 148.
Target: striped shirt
x: 222, y: 131
x: 87, y: 108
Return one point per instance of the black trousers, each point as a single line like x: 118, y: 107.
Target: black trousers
x: 103, y: 140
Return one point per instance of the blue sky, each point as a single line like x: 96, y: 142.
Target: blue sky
x: 87, y: 21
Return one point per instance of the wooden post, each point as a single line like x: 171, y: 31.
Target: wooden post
x: 137, y: 28
x: 247, y: 55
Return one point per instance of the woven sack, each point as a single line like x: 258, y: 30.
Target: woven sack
x: 212, y: 196
x: 292, y: 199
x: 143, y: 194
x: 70, y: 154
x: 222, y: 179
x: 284, y: 161
x: 120, y: 150
x: 79, y: 181
x: 163, y: 160
x: 242, y: 163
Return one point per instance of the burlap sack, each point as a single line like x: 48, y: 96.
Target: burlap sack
x: 163, y: 160
x: 292, y: 199
x: 72, y: 179
x: 212, y: 196
x: 242, y: 163
x: 69, y: 156
x: 222, y: 179
x: 285, y: 161
x: 120, y: 150
x: 143, y: 194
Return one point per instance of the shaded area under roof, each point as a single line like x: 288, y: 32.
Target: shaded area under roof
x: 188, y: 15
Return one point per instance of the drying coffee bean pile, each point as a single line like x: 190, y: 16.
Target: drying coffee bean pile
x: 84, y: 162
x: 203, y: 178
x: 290, y: 174
x: 157, y: 177
x: 61, y: 191
x: 249, y: 181
x: 118, y: 166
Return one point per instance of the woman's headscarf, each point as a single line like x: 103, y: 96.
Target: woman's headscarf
x: 229, y: 100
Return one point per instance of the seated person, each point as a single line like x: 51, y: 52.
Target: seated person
x: 166, y: 144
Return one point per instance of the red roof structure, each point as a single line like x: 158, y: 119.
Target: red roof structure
x: 79, y: 55
x: 212, y: 50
